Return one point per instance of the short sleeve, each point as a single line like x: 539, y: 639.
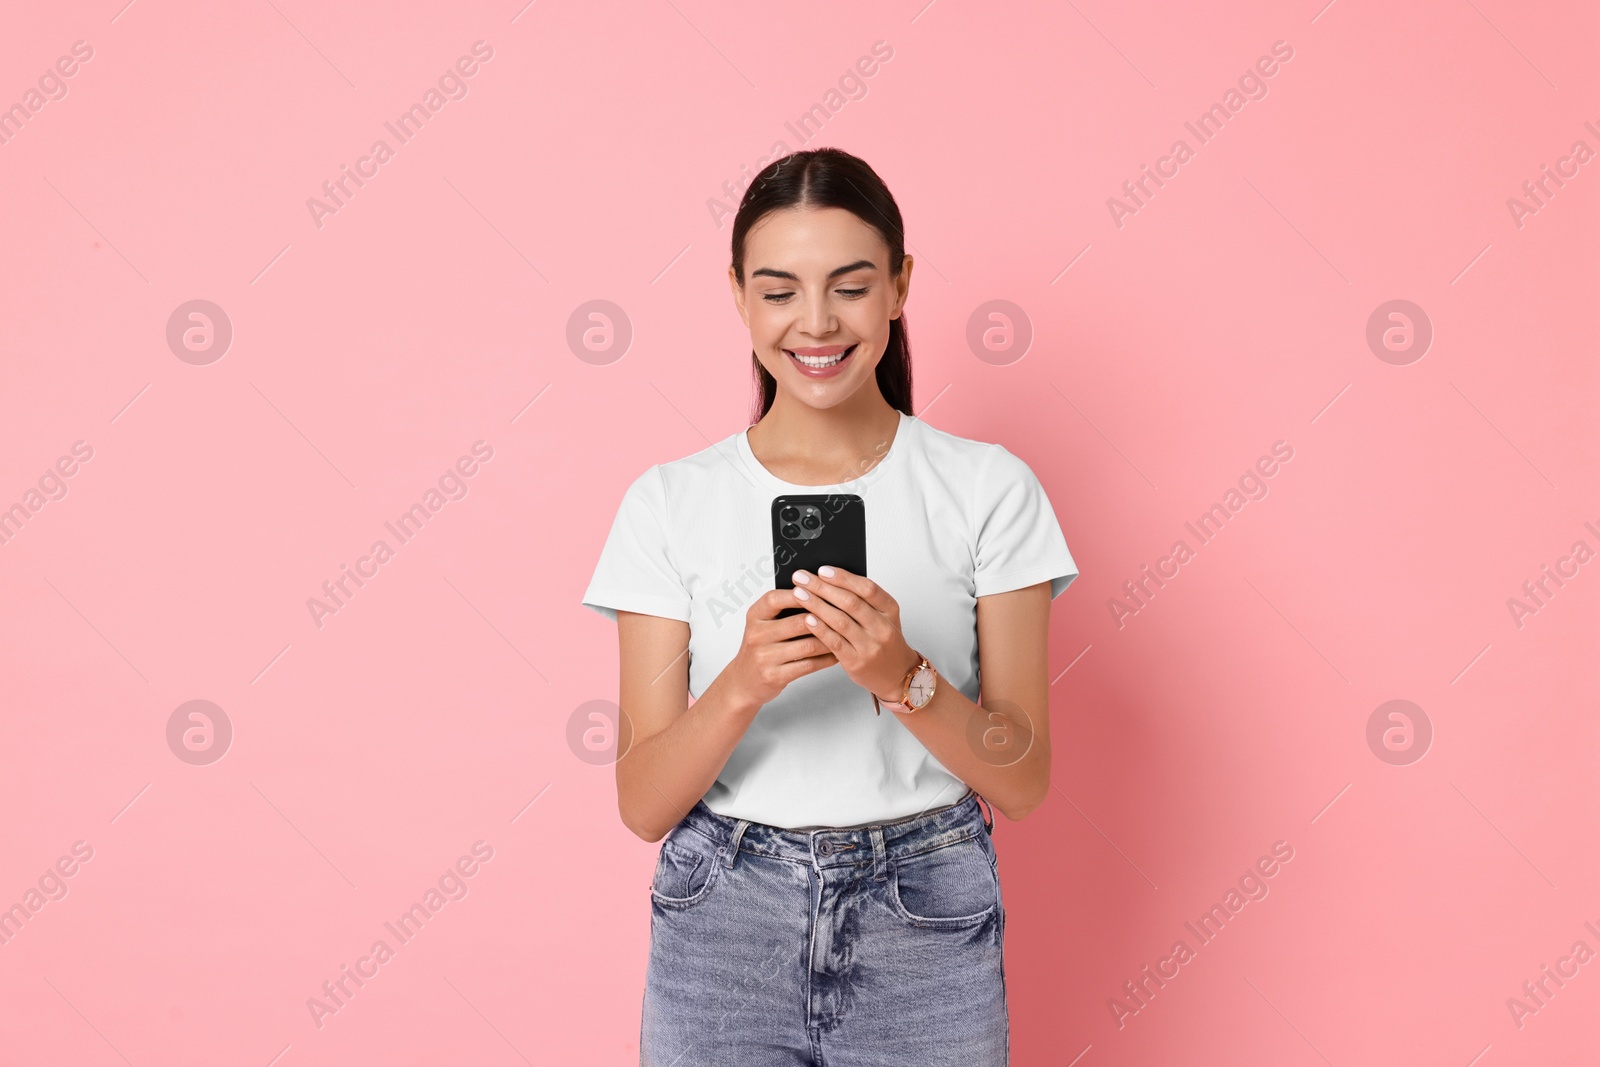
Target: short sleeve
x: 1019, y: 540
x: 635, y: 571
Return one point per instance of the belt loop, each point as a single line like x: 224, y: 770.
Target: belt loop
x: 731, y: 849
x: 880, y: 855
x: 988, y: 813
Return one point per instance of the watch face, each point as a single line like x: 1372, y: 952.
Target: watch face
x: 921, y: 690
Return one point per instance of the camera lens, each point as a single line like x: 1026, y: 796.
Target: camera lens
x: 811, y: 522
x: 788, y: 513
x: 790, y: 530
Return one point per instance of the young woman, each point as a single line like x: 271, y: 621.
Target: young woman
x: 827, y: 891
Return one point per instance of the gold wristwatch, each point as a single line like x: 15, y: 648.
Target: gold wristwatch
x: 915, y: 691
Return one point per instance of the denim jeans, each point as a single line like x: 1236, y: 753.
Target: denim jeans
x: 864, y: 947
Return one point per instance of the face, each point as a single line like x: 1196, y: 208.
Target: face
x: 817, y: 288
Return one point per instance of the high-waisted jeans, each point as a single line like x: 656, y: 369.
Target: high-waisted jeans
x: 860, y: 947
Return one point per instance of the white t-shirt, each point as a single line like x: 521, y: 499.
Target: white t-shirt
x: 948, y: 520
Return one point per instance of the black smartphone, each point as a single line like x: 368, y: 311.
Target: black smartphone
x: 811, y: 530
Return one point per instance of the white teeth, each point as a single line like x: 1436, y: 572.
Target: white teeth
x: 821, y: 361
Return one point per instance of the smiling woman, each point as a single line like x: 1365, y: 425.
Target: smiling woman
x: 861, y: 298
x: 842, y: 857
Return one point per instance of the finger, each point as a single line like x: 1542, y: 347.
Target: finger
x: 798, y: 648
x: 863, y: 587
x: 801, y: 667
x: 841, y: 609
x: 834, y: 627
x: 785, y: 629
x: 768, y: 604
x: 877, y: 613
x: 841, y: 596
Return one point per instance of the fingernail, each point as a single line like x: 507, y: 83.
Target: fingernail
x: 811, y: 620
x: 802, y: 577
x: 826, y: 572
x: 801, y: 594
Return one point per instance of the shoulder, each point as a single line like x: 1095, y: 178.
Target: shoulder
x: 704, y: 470
x: 948, y: 449
x: 689, y: 474
x: 978, y: 462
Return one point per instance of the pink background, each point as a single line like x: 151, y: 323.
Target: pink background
x: 1168, y: 354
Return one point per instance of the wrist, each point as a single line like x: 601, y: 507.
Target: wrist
x: 733, y: 698
x: 918, y: 689
x: 898, y: 685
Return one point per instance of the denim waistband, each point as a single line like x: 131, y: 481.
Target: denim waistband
x: 845, y: 846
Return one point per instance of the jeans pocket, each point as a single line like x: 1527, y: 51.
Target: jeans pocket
x: 686, y: 870
x: 949, y: 887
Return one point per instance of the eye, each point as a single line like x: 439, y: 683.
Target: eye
x: 853, y: 294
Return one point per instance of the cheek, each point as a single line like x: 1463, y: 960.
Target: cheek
x: 767, y: 324
x: 870, y: 324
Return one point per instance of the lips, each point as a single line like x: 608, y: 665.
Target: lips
x: 820, y: 362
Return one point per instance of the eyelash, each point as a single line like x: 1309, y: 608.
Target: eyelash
x: 777, y: 298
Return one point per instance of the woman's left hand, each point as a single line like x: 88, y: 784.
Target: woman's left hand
x: 859, y: 622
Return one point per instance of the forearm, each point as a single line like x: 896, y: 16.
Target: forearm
x: 996, y: 749
x: 660, y: 778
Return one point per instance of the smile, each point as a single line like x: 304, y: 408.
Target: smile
x: 820, y: 362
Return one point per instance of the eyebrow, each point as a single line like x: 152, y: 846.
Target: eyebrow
x: 860, y: 264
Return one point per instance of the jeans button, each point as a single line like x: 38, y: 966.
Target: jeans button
x: 823, y: 848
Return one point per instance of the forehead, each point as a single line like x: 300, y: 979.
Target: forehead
x: 811, y: 240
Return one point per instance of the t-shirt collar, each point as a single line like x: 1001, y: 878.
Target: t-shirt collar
x: 889, y: 462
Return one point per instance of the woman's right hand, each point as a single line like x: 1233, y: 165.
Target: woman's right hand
x: 774, y: 651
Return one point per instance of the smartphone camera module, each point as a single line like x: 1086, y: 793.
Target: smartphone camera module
x: 801, y: 522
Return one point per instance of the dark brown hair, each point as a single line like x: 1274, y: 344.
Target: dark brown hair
x: 829, y: 177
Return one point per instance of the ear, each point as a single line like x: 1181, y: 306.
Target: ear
x: 903, y: 286
x: 738, y: 296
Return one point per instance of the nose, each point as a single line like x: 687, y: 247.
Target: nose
x: 818, y: 319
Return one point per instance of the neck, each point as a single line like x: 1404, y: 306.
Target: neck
x: 817, y: 444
